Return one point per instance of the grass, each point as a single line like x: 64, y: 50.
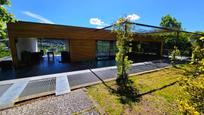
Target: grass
x: 159, y: 97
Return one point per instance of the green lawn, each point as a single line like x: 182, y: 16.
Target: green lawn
x: 163, y: 100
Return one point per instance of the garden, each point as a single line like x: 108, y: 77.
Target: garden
x: 176, y: 90
x: 160, y: 92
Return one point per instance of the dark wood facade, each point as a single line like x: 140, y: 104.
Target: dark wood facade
x: 82, y: 40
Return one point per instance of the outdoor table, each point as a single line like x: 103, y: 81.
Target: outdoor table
x: 50, y: 54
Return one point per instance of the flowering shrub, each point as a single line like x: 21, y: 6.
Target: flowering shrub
x: 185, y: 108
x: 201, y: 66
x: 193, y: 87
x: 193, y: 102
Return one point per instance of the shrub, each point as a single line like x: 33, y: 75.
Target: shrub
x: 175, y: 52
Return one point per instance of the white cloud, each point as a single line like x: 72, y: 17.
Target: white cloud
x: 38, y: 17
x: 133, y: 17
x: 96, y: 21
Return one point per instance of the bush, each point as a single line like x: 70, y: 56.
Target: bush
x: 175, y: 52
x: 197, y: 54
x: 3, y: 52
x: 193, y: 102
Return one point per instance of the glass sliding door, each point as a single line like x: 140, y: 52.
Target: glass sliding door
x: 105, y: 49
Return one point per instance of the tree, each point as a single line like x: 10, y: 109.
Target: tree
x: 170, y: 22
x: 6, y: 17
x: 176, y: 38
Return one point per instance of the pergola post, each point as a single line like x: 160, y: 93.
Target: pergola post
x: 12, y: 44
x: 161, y: 48
x: 177, y: 38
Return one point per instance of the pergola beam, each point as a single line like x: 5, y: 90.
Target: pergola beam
x: 156, y: 27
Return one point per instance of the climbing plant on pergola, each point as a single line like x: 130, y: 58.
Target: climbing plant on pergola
x: 124, y: 36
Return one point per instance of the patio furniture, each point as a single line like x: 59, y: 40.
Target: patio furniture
x: 65, y: 57
x: 5, y: 65
x: 50, y: 54
x: 26, y: 57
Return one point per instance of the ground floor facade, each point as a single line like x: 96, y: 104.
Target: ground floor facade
x: 80, y: 44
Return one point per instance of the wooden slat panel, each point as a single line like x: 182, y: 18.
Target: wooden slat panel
x: 28, y: 29
x: 82, y: 50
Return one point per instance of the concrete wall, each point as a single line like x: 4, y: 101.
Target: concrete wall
x: 25, y: 44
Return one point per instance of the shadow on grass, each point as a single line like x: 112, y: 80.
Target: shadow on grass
x: 157, y: 89
x: 129, y: 93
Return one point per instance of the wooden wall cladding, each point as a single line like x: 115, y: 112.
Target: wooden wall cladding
x: 29, y: 29
x: 82, y: 50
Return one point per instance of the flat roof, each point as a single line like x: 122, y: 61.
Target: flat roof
x: 22, y: 29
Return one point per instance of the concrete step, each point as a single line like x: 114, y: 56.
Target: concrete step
x: 11, y: 95
x: 62, y: 85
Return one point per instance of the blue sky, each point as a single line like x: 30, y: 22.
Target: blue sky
x: 99, y: 13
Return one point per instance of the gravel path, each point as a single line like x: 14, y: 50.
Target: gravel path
x: 75, y: 102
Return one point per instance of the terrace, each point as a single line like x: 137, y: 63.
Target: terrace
x: 46, y: 67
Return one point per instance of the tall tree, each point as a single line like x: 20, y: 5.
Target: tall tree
x: 170, y: 22
x: 5, y: 17
x: 179, y: 39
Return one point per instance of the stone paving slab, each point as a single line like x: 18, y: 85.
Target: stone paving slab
x: 82, y: 78
x: 67, y: 104
x: 87, y: 77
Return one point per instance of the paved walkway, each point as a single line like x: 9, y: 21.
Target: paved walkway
x: 52, y: 84
x: 85, y: 77
x: 76, y: 102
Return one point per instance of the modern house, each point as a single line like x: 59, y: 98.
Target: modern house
x: 81, y: 43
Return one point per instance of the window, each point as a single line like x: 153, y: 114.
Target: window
x: 105, y: 49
